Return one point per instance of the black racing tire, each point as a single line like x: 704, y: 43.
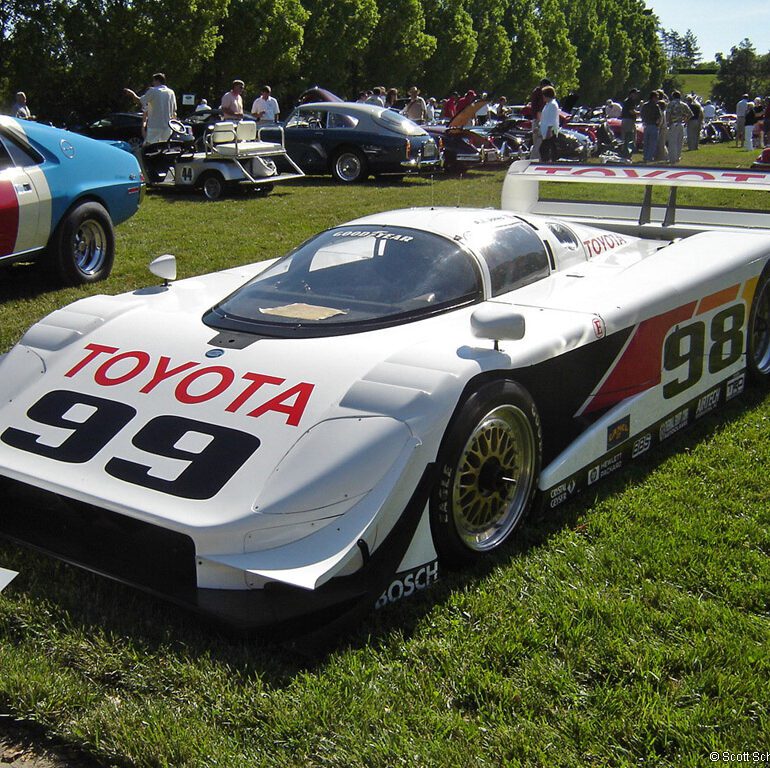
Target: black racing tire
x: 212, y: 185
x: 349, y: 166
x: 82, y: 249
x: 758, y: 333
x: 488, y: 463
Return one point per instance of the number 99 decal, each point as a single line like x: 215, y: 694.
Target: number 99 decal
x: 212, y: 453
x: 686, y: 346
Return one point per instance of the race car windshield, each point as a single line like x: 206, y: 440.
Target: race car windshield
x: 352, y: 278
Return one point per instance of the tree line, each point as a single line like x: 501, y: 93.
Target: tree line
x: 78, y: 55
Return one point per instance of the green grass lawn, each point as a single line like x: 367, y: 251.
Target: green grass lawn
x: 630, y: 628
x: 697, y: 83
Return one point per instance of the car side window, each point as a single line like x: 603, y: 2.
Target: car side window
x: 516, y: 257
x: 5, y: 157
x: 12, y: 154
x: 341, y: 121
x: 564, y: 235
x: 307, y: 118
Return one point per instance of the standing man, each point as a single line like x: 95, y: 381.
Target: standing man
x: 549, y: 125
x: 159, y: 105
x: 415, y: 109
x: 20, y: 110
x: 651, y: 118
x: 612, y: 109
x: 232, y: 102
x: 628, y: 115
x: 265, y: 108
x: 537, y: 102
x: 694, y: 124
x: 677, y: 114
x: 377, y: 99
x: 740, y: 123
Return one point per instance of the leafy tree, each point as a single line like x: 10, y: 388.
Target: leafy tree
x: 400, y: 46
x: 588, y: 32
x: 616, y: 23
x: 691, y: 53
x: 261, y: 42
x: 528, y: 51
x: 449, y: 22
x: 493, y: 54
x: 645, y: 64
x: 740, y: 72
x: 337, y: 37
x: 35, y: 26
x: 561, y: 60
x: 91, y: 49
x: 681, y: 51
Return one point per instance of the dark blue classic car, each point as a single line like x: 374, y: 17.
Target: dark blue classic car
x: 352, y: 141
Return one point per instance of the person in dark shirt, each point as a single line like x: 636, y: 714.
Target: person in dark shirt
x: 628, y: 123
x: 694, y: 123
x: 537, y: 102
x: 652, y: 117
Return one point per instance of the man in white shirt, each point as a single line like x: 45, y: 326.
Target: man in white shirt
x: 20, y: 110
x: 266, y: 108
x: 415, y: 109
x: 612, y: 109
x: 159, y: 105
x: 232, y: 102
x: 740, y: 114
x: 549, y: 125
x: 376, y: 99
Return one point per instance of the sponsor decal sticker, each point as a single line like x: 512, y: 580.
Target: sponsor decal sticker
x: 608, y: 466
x: 707, y: 402
x: 191, y: 382
x: 664, y: 174
x: 561, y: 493
x: 674, y: 424
x: 406, y: 584
x: 618, y: 432
x: 641, y: 445
x: 735, y: 385
x: 599, y: 327
x: 379, y: 235
x: 597, y: 245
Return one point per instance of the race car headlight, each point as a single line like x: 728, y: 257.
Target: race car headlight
x: 336, y: 461
x: 18, y: 369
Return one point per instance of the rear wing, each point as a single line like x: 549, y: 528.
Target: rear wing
x: 521, y: 192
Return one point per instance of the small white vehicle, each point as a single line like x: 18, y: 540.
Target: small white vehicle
x: 234, y: 155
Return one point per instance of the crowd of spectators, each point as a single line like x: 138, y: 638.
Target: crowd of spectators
x: 669, y: 121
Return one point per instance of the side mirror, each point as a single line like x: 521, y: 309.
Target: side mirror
x: 164, y: 267
x: 496, y: 322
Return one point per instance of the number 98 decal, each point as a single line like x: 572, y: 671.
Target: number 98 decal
x: 714, y: 344
x: 209, y: 453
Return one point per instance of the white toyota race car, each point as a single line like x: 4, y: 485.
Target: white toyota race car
x: 279, y: 443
